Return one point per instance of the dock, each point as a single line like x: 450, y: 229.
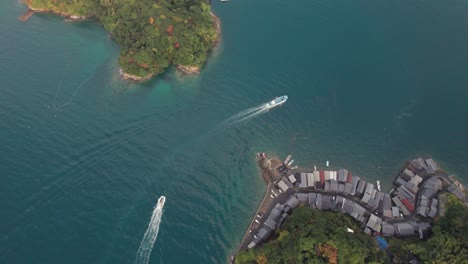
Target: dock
x: 26, y: 15
x: 408, y: 210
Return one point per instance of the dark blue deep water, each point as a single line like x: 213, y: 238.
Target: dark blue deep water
x: 84, y: 156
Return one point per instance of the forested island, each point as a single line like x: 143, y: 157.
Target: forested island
x: 314, y: 236
x: 152, y: 34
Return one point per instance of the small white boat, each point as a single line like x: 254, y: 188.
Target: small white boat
x: 288, y: 158
x: 327, y: 163
x: 378, y: 186
x: 290, y: 163
x: 161, y: 201
x: 224, y: 1
x: 277, y: 101
x: 293, y: 168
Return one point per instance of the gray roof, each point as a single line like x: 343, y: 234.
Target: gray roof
x: 312, y: 199
x: 417, y: 180
x: 326, y: 202
x: 318, y: 203
x: 342, y: 175
x: 416, y: 164
x: 424, y: 201
x: 456, y: 192
x: 403, y: 229
x: 422, y: 211
x: 359, y: 209
x: 275, y: 214
x: 339, y: 201
x: 400, y: 181
x: 279, y: 206
x: 414, y: 225
x: 348, y: 206
x: 303, y: 183
x: 369, y: 187
x: 433, y: 183
x: 365, y: 198
x: 348, y: 188
x: 413, y: 188
x: 354, y: 184
x: 403, y: 191
x: 283, y: 186
x: 388, y: 230
x: 316, y: 176
x: 270, y: 223
x: 327, y: 186
x: 292, y: 202
x: 290, y: 185
x: 432, y: 165
x: 371, y: 203
x: 432, y: 213
x: 326, y: 175
x: 423, y: 164
x: 407, y: 175
x: 303, y: 197
x: 374, y: 223
x: 264, y: 233
x: 333, y: 185
x: 424, y: 230
x: 341, y: 187
x: 400, y: 205
x: 310, y: 180
x: 360, y: 187
x: 291, y: 178
x: 367, y: 231
x: 387, y: 202
x: 395, y: 212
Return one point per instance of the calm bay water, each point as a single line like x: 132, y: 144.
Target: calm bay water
x: 84, y: 156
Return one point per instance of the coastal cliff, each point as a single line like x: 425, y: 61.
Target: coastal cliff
x: 153, y: 35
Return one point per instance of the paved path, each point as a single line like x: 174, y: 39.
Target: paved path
x: 268, y: 204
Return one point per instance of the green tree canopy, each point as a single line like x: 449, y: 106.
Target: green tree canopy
x: 152, y: 34
x: 313, y: 236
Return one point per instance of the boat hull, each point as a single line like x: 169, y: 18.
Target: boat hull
x: 278, y: 101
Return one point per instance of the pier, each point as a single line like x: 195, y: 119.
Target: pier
x: 408, y: 210
x: 26, y: 15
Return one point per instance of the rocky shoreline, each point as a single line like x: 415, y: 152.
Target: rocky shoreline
x: 184, y: 69
x: 195, y: 70
x: 69, y: 17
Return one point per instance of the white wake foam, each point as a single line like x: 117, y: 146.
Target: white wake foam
x: 146, y: 245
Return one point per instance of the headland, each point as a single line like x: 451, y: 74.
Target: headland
x: 408, y: 210
x: 152, y: 35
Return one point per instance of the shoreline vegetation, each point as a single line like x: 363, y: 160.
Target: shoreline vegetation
x: 152, y: 35
x: 313, y: 236
x: 304, y: 220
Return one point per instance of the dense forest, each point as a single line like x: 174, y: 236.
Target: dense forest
x: 152, y: 34
x: 314, y: 236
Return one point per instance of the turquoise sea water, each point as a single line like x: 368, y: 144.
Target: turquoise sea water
x: 84, y: 156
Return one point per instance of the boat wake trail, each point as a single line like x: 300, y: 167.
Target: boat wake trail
x: 146, y: 245
x: 246, y: 115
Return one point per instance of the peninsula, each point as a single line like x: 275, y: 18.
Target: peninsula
x: 306, y: 214
x: 153, y: 35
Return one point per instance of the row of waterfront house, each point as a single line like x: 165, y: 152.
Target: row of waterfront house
x: 407, y: 211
